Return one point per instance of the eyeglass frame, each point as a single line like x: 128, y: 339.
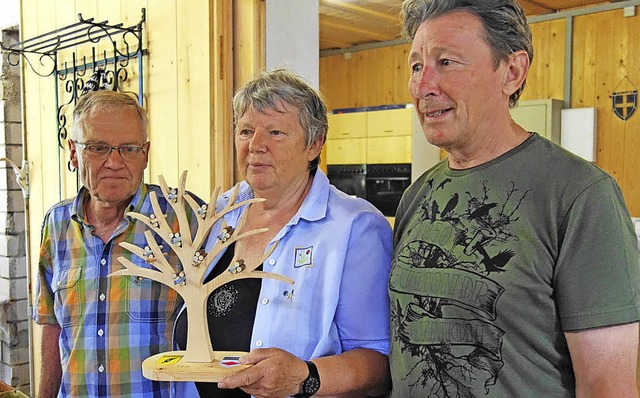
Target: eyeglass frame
x: 119, y: 148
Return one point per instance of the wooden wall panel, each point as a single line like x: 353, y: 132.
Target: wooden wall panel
x: 68, y: 180
x: 604, y: 56
x: 546, y: 75
x: 366, y: 78
x: 221, y: 87
x: 249, y: 40
x: 193, y: 96
x: 248, y: 49
x: 162, y: 93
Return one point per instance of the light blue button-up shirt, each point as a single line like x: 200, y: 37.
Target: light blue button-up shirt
x: 337, y: 249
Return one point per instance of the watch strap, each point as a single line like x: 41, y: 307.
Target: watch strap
x: 311, y: 384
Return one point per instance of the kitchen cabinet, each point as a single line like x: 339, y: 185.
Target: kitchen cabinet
x: 389, y: 136
x: 372, y: 137
x: 390, y: 123
x: 346, y: 151
x: 389, y: 149
x: 380, y: 137
x: 541, y: 116
x: 346, y: 138
x: 347, y: 125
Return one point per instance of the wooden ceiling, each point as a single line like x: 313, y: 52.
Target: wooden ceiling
x: 346, y: 23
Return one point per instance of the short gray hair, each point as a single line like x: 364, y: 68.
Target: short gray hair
x: 267, y: 89
x: 504, y: 22
x: 105, y: 101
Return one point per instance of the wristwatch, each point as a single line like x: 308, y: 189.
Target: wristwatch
x: 311, y: 384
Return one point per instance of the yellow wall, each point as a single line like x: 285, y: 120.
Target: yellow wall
x: 602, y: 57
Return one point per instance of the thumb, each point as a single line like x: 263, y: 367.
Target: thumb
x: 257, y: 355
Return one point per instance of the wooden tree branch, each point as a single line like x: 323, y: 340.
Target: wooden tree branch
x: 176, y: 201
x: 153, y: 256
x: 232, y: 274
x: 135, y: 270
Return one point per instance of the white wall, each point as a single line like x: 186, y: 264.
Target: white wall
x: 293, y: 38
x: 10, y: 14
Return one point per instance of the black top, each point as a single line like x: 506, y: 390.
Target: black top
x: 231, y: 310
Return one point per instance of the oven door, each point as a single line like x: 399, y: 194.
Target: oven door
x: 385, y: 185
x: 349, y: 178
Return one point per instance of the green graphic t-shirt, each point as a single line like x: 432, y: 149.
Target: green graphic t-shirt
x: 492, y: 264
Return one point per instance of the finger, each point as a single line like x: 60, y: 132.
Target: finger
x: 242, y: 378
x: 258, y: 354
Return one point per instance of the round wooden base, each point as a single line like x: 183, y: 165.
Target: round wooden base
x: 171, y: 366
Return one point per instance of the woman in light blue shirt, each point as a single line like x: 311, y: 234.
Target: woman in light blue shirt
x: 327, y: 334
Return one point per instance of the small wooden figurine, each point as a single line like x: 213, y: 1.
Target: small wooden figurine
x: 199, y: 362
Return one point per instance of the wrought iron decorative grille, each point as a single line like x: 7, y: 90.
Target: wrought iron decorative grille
x: 71, y: 55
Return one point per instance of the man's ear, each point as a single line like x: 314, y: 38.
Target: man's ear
x: 516, y: 72
x: 74, y: 153
x: 147, y: 145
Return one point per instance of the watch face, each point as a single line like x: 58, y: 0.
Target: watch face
x: 311, y: 386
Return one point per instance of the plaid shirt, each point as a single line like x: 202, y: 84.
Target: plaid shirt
x: 109, y: 325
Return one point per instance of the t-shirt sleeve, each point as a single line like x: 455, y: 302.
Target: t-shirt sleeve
x: 597, y: 277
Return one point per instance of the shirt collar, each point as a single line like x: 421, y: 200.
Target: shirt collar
x: 77, y: 207
x: 314, y: 206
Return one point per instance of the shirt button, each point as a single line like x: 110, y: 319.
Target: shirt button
x: 259, y: 343
x: 272, y: 261
x: 100, y: 368
x: 100, y: 332
x: 102, y: 297
x: 265, y: 301
x: 103, y: 261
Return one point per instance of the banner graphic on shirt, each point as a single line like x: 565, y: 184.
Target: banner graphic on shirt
x: 463, y: 288
x: 456, y: 332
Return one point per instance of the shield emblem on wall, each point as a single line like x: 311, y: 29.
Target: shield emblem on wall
x: 624, y: 104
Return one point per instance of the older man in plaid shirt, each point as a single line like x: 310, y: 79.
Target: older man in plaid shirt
x: 98, y: 330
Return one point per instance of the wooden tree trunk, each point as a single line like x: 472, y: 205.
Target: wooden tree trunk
x: 199, y: 347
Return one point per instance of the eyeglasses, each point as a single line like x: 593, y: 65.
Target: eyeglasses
x: 131, y: 153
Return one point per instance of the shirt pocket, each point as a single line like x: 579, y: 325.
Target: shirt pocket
x: 150, y: 301
x: 66, y: 290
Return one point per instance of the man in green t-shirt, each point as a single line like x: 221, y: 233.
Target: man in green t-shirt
x: 515, y: 271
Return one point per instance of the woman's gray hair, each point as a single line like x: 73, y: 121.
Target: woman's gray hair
x: 504, y: 21
x: 105, y: 101
x: 267, y: 90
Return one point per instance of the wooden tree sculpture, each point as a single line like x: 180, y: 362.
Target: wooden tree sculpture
x: 188, y: 280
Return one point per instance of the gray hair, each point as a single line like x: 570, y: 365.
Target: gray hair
x: 504, y: 22
x: 105, y: 101
x: 268, y: 89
